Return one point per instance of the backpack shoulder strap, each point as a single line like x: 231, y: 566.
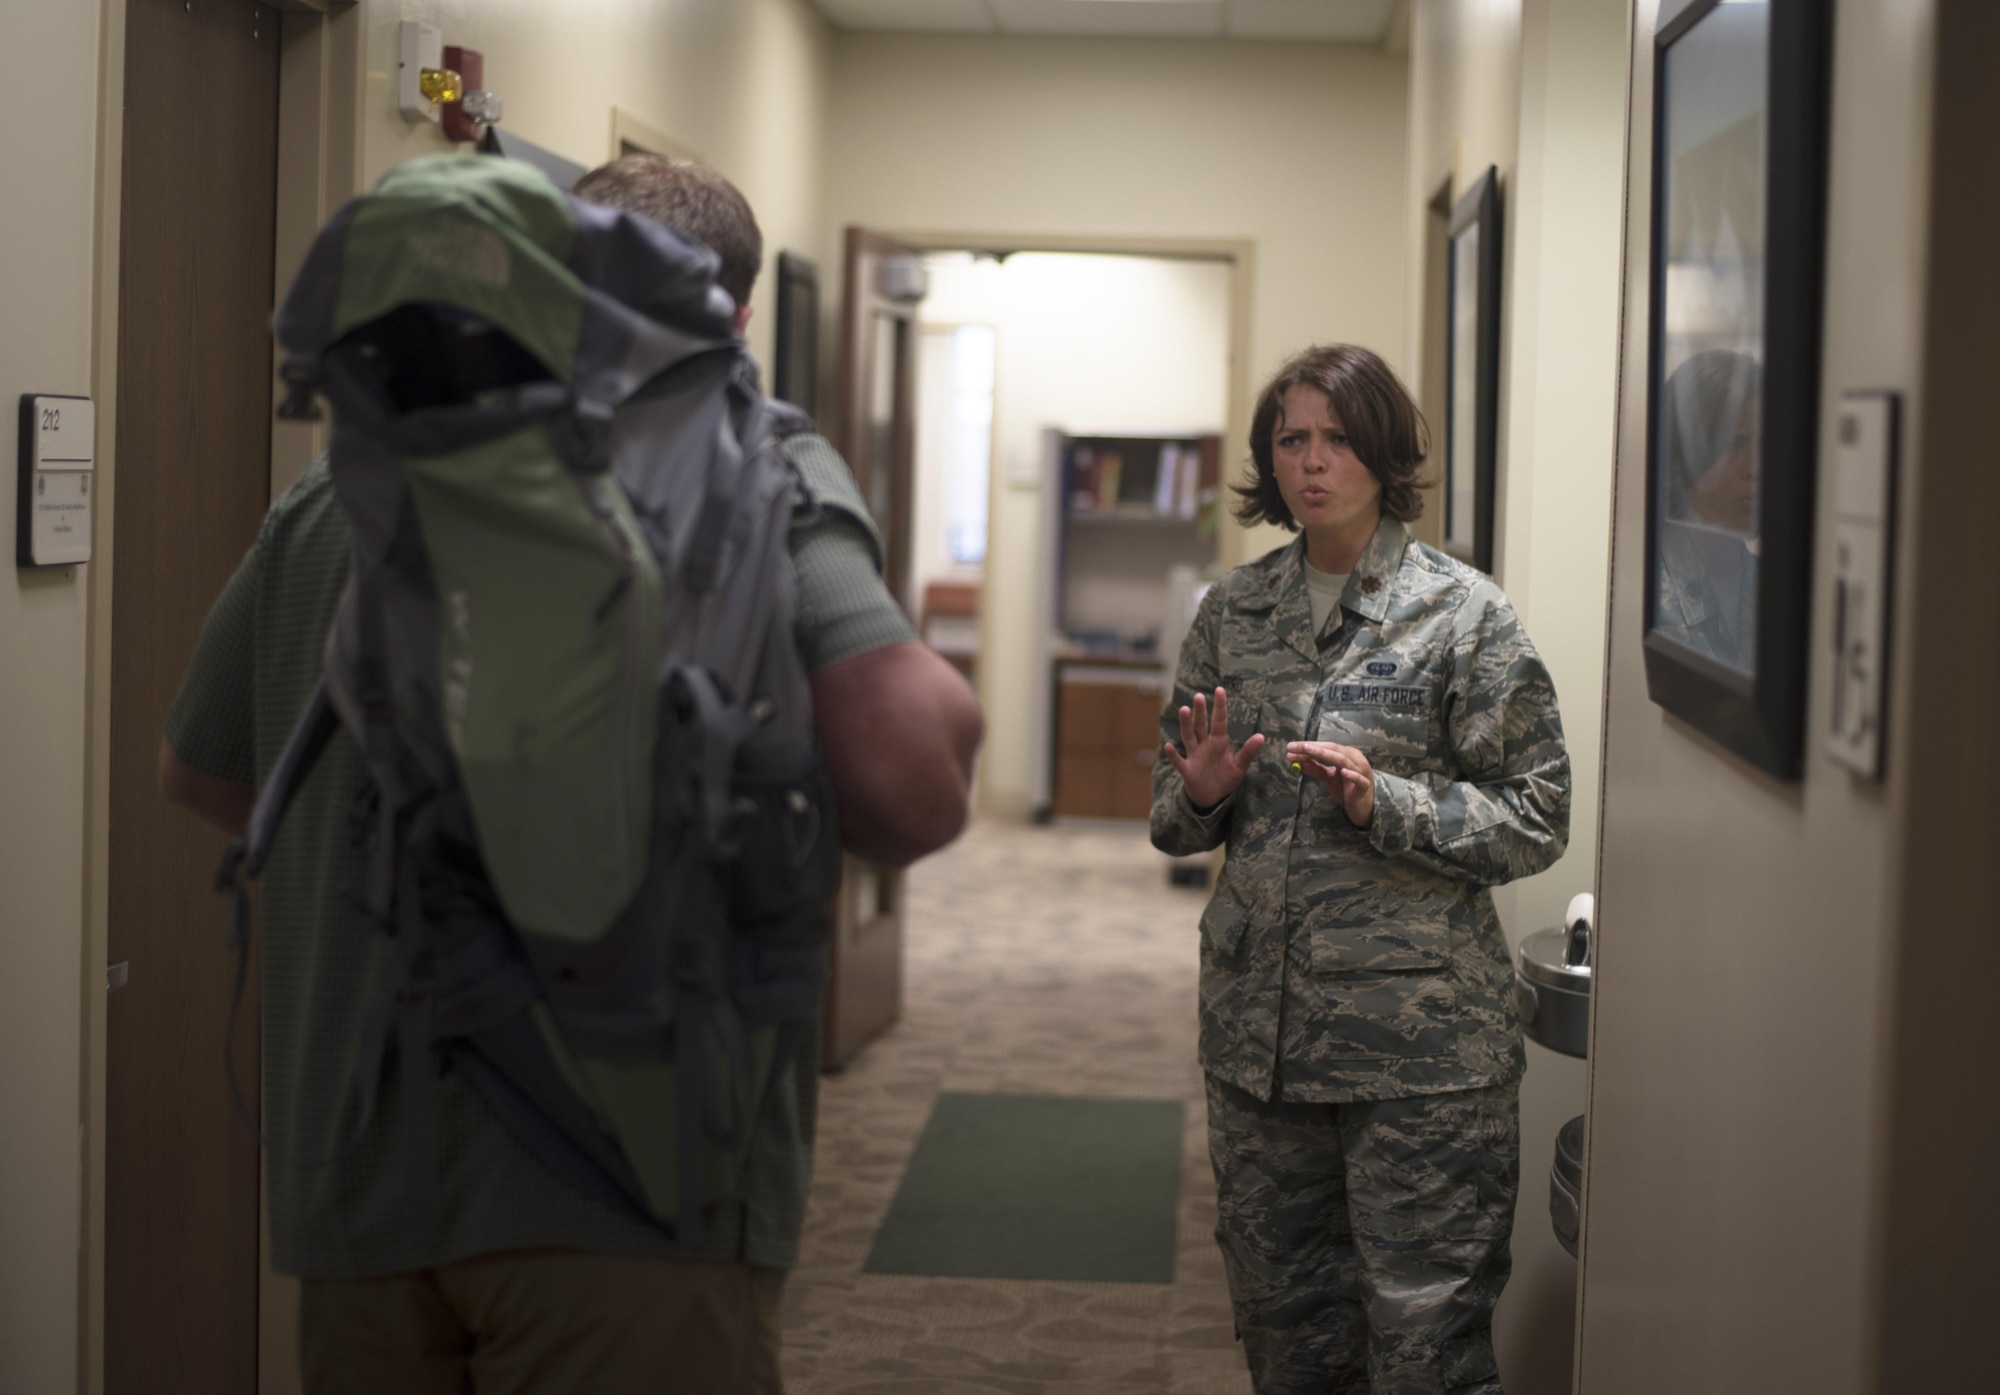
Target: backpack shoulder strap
x: 303, y: 748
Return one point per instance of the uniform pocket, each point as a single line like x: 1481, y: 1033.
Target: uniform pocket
x: 1388, y: 1016
x: 1222, y: 924
x: 1383, y: 986
x: 1345, y: 942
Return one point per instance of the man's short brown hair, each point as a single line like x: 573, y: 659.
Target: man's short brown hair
x: 1382, y: 423
x: 691, y: 199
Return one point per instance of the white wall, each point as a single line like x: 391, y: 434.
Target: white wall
x: 48, y: 87
x: 1537, y: 88
x: 1738, y: 1037
x: 938, y: 427
x: 1293, y: 150
x: 1086, y: 343
x: 1465, y: 81
x: 741, y: 82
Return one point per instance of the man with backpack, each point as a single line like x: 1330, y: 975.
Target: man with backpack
x: 533, y: 681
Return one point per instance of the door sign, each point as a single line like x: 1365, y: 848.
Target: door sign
x: 58, y: 462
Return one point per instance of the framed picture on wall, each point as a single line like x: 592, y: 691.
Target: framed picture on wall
x: 1472, y: 372
x: 1739, y: 153
x: 795, y: 375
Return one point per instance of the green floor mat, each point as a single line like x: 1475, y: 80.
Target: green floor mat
x: 1038, y: 1187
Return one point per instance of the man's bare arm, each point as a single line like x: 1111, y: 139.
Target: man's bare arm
x: 223, y: 803
x: 899, y: 727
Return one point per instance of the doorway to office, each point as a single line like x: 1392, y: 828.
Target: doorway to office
x: 1071, y: 412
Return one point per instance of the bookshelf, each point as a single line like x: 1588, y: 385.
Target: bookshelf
x: 1130, y: 510
x: 1159, y: 479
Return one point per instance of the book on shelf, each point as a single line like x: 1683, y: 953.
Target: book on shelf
x: 1187, y: 481
x: 1166, y: 477
x: 1083, y: 478
x: 1103, y: 481
x: 1110, y: 473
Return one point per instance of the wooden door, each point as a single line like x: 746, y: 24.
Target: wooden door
x: 1107, y: 737
x: 876, y: 433
x: 193, y: 468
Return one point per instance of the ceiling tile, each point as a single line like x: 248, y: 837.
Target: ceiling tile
x: 1125, y: 18
x: 1342, y: 21
x: 911, y: 16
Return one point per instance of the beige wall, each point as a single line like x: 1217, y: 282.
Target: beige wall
x: 1739, y: 1038
x: 48, y: 86
x: 1088, y: 344
x: 1465, y: 79
x: 740, y: 82
x: 1537, y: 88
x: 1294, y: 151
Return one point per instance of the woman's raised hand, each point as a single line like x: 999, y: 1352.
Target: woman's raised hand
x: 1212, y: 767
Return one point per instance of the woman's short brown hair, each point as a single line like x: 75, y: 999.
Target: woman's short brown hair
x: 1382, y: 422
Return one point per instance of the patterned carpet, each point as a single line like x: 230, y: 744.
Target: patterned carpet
x: 1041, y: 961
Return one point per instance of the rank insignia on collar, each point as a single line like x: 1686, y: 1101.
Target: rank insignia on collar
x: 1370, y: 585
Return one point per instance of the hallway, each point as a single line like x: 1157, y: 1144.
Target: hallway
x: 1050, y: 961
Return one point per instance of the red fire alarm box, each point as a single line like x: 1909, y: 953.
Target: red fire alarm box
x: 468, y: 117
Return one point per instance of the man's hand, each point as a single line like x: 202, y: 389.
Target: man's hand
x: 1344, y: 771
x: 1212, y: 767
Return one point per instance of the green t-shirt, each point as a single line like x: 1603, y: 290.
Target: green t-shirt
x: 337, y: 1205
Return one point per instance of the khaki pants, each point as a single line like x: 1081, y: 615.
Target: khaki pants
x: 545, y: 1322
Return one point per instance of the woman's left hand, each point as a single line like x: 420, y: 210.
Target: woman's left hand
x: 1344, y: 771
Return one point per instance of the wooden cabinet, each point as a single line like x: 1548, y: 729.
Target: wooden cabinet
x: 1107, y: 733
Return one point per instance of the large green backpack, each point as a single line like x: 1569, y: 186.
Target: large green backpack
x: 603, y: 838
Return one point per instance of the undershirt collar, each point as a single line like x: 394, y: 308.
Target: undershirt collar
x: 1323, y: 590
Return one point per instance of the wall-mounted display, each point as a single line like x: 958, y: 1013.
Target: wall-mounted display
x: 1739, y: 138
x: 796, y: 377
x: 1472, y: 373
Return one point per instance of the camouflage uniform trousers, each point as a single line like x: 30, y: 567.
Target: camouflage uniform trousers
x: 1367, y: 1242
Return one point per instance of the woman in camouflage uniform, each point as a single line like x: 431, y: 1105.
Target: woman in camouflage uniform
x: 1357, y: 1023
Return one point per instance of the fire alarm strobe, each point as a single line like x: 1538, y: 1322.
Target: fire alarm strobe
x: 58, y: 461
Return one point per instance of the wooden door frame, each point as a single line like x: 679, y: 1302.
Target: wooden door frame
x: 320, y: 89
x: 856, y: 358
x: 871, y: 896
x: 1433, y: 335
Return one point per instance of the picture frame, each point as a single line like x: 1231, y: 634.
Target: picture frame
x: 1734, y: 277
x: 1472, y: 372
x: 795, y: 372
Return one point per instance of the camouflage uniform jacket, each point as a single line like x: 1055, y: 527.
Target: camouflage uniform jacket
x: 1340, y: 963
